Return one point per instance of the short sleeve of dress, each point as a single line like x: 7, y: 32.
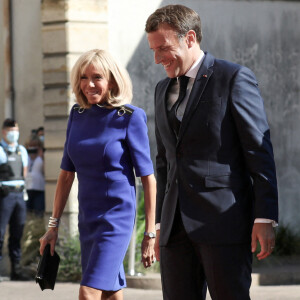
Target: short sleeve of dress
x: 66, y: 162
x: 138, y: 143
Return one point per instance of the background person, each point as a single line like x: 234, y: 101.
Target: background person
x: 104, y: 144
x: 35, y: 178
x: 13, y: 169
x: 217, y: 190
x: 40, y: 134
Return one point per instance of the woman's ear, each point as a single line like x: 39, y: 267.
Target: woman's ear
x: 112, y: 83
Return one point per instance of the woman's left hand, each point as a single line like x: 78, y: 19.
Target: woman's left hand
x: 148, y: 254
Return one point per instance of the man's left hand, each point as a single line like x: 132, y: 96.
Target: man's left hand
x: 264, y: 233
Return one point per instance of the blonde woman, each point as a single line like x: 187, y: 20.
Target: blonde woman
x: 106, y: 142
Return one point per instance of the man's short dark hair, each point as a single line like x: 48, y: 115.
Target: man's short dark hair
x: 8, y: 123
x: 179, y: 17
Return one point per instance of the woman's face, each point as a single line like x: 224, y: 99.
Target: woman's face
x: 94, y: 85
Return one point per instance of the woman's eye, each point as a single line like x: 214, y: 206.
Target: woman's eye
x: 98, y: 77
x: 83, y: 77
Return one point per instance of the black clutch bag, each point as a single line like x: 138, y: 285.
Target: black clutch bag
x: 47, y: 269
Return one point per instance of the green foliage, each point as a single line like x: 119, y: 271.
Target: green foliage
x: 140, y: 221
x: 69, y: 251
x: 33, y: 230
x: 287, y: 242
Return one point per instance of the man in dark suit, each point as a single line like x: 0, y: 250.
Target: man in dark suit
x: 217, y: 190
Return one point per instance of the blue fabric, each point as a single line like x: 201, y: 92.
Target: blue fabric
x: 12, y: 212
x: 105, y: 149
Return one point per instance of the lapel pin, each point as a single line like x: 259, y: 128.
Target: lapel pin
x: 204, y: 75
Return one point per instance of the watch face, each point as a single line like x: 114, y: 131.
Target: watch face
x: 150, y: 234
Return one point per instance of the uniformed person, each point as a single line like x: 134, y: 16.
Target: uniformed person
x: 13, y: 168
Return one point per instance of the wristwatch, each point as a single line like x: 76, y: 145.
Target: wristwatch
x: 150, y: 234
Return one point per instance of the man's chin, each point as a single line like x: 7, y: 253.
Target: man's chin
x: 171, y: 74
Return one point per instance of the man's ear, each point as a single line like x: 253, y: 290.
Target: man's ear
x: 191, y: 38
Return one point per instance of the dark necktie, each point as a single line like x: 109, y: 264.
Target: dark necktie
x: 183, y: 83
x: 174, y: 122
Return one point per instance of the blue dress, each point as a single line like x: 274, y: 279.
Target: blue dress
x: 105, y: 149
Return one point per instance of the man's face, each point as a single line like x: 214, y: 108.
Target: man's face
x: 11, y: 135
x: 169, y: 51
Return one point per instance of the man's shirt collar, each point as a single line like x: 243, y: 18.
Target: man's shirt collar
x: 192, y: 72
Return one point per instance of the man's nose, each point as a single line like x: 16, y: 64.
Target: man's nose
x: 157, y: 58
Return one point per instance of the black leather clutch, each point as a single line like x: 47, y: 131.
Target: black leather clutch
x: 47, y: 269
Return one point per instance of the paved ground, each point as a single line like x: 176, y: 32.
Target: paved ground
x: 10, y: 290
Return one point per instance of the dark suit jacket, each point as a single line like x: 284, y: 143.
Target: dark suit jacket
x: 221, y: 167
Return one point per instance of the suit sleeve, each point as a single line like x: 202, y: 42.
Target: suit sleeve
x: 161, y: 168
x: 254, y: 134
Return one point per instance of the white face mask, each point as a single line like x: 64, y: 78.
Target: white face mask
x: 12, y: 136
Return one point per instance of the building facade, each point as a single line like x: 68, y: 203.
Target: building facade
x: 40, y: 41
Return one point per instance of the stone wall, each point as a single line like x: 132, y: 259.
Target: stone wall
x: 49, y: 35
x: 26, y: 67
x: 5, y: 60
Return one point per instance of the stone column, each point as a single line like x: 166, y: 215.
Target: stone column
x: 69, y: 28
x: 5, y: 62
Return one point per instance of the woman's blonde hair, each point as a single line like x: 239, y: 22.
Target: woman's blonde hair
x: 119, y: 94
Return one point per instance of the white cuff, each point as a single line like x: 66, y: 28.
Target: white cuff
x: 157, y: 226
x: 261, y: 220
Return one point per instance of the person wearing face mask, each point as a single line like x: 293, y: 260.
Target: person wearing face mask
x: 40, y: 134
x: 13, y: 169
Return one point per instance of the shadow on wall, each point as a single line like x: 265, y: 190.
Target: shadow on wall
x: 263, y: 36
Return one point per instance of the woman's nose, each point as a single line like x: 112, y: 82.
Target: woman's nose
x: 91, y: 83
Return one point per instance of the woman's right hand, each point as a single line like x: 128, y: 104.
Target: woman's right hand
x: 50, y: 237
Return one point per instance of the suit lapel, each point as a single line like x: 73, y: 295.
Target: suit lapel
x: 201, y: 80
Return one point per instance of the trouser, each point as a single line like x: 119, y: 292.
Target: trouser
x: 36, y: 202
x: 186, y: 268
x: 12, y: 213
